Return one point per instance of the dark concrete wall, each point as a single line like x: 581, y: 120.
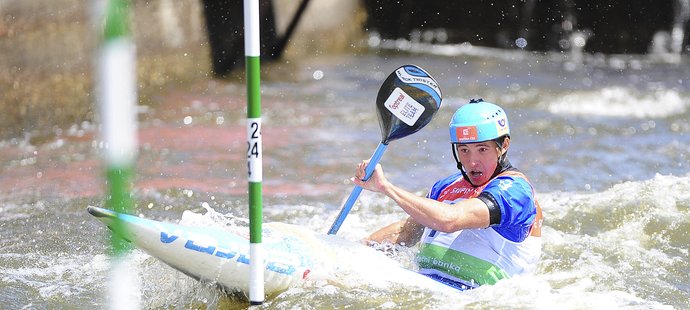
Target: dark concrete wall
x: 225, y: 27
x: 613, y: 26
x: 609, y: 26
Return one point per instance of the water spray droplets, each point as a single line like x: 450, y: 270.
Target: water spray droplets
x: 521, y: 42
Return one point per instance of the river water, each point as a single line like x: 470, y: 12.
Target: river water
x: 605, y: 142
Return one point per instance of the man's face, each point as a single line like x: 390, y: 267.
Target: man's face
x: 479, y: 160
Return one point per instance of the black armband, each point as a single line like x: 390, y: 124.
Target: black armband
x: 494, y: 209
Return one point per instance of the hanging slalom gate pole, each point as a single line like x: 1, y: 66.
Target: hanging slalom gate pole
x: 254, y: 151
x: 117, y: 101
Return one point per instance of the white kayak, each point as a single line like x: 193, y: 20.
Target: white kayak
x: 292, y: 255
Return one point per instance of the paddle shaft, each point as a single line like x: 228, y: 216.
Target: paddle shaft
x: 358, y: 189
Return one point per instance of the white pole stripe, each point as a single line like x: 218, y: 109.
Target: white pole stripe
x: 124, y: 284
x: 118, y: 86
x: 256, y: 271
x: 254, y: 150
x: 251, y: 32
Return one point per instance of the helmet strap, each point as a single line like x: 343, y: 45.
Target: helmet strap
x: 503, y: 163
x: 457, y: 160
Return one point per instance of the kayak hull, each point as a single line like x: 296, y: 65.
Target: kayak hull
x: 213, y: 254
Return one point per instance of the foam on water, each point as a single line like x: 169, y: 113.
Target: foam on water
x: 339, y: 266
x: 618, y: 101
x: 59, y: 277
x: 623, y: 247
x: 622, y: 242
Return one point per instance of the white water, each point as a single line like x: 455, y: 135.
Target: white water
x: 601, y: 251
x: 617, y: 101
x: 607, y: 148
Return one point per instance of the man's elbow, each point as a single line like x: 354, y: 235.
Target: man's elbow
x: 447, y: 226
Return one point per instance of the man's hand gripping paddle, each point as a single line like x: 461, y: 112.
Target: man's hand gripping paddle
x: 406, y: 102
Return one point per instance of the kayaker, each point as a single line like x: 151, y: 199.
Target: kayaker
x: 474, y: 227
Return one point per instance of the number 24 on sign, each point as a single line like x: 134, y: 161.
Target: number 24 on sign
x: 253, y: 146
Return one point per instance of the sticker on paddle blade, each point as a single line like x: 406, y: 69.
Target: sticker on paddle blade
x: 404, y: 107
x: 406, y: 102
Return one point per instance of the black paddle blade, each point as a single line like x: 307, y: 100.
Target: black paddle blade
x: 406, y: 102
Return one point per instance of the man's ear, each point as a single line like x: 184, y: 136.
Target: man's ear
x: 506, y: 144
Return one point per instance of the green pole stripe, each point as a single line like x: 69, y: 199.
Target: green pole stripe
x: 254, y: 111
x: 118, y: 178
x: 119, y: 200
x: 255, y: 212
x: 117, y: 19
x: 253, y: 87
x: 466, y: 267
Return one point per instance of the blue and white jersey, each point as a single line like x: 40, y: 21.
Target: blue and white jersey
x: 483, y: 256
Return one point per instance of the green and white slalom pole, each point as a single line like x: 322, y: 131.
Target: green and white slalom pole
x: 254, y: 152
x: 117, y: 103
